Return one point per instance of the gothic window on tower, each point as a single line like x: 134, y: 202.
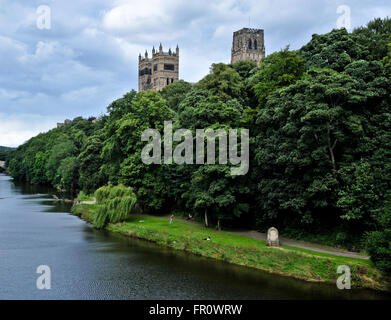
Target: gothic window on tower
x: 145, y: 71
x: 255, y: 45
x: 250, y: 44
x: 169, y: 66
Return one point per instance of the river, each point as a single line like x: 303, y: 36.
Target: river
x: 90, y: 264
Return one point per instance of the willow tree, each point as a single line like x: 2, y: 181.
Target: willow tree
x: 114, y: 204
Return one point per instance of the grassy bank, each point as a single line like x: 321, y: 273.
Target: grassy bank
x: 245, y: 251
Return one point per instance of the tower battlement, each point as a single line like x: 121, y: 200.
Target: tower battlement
x: 248, y: 44
x: 159, y: 70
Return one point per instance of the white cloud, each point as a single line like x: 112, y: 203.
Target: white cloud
x: 12, y: 94
x: 137, y: 15
x: 150, y: 21
x: 16, y: 129
x: 10, y: 48
x: 48, y: 52
x: 76, y: 96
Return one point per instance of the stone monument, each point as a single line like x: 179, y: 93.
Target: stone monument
x: 272, y: 237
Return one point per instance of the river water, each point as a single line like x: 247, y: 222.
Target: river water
x: 89, y: 264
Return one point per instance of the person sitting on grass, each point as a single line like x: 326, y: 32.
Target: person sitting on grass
x: 189, y: 217
x: 207, y: 239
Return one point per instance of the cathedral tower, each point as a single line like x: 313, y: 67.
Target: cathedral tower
x: 158, y: 71
x: 248, y: 44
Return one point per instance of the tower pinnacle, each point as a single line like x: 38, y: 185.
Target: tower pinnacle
x: 158, y: 71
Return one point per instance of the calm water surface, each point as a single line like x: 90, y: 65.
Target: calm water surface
x: 91, y: 264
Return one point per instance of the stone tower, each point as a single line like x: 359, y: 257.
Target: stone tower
x: 158, y: 71
x: 248, y: 44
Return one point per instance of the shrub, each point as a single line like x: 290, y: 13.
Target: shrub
x: 379, y: 248
x: 379, y: 242
x: 82, y: 196
x: 341, y: 238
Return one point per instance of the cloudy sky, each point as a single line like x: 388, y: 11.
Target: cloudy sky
x: 89, y: 55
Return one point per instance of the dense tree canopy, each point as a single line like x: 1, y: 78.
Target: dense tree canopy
x: 313, y: 132
x: 280, y: 69
x: 175, y: 93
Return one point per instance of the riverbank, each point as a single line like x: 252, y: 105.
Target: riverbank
x: 245, y: 251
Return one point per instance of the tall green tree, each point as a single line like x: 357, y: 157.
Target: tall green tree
x: 312, y: 132
x: 223, y: 81
x: 280, y: 69
x: 374, y: 37
x: 175, y: 93
x: 68, y: 174
x: 387, y: 61
x: 212, y: 191
x: 90, y: 161
x: 378, y: 242
x: 59, y: 152
x: 334, y: 50
x: 122, y: 150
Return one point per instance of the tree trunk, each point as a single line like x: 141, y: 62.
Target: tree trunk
x: 206, y: 218
x: 331, y: 150
x: 332, y: 157
x: 218, y: 225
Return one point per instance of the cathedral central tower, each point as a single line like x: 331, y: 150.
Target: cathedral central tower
x: 248, y: 44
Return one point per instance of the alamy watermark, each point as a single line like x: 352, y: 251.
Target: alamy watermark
x: 44, y: 18
x: 344, y: 281
x: 344, y: 20
x: 184, y: 151
x: 44, y: 281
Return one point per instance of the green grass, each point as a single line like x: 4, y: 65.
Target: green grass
x: 84, y: 197
x: 193, y: 230
x: 242, y: 250
x: 340, y: 259
x: 84, y: 211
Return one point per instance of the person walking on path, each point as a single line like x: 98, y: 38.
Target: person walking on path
x: 171, y: 219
